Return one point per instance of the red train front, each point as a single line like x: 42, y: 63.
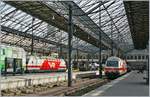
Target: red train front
x: 115, y: 67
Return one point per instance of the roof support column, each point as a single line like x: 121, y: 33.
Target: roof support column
x: 32, y: 42
x: 61, y: 49
x: 118, y: 54
x: 0, y: 39
x: 112, y: 53
x: 70, y: 30
x: 61, y: 52
x: 77, y: 55
x: 100, y: 44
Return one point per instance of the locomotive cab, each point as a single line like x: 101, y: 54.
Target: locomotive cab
x: 114, y: 67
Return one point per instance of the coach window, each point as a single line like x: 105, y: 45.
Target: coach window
x: 142, y: 57
x: 135, y: 57
x: 146, y: 56
x: 139, y: 57
x: 131, y: 57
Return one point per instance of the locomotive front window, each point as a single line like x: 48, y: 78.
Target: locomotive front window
x: 112, y: 63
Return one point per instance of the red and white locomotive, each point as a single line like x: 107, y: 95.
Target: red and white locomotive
x: 115, y: 67
x: 46, y: 63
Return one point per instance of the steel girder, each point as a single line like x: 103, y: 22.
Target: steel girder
x: 46, y: 14
x: 13, y: 31
x: 22, y: 21
x: 118, y: 15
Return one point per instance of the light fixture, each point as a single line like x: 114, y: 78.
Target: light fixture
x: 75, y: 30
x: 88, y: 37
x: 53, y: 17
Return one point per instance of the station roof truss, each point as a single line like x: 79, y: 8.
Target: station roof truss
x: 48, y: 22
x: 114, y: 21
x: 138, y: 17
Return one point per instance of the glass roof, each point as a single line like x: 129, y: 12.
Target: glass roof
x: 112, y: 15
x: 21, y: 21
x: 113, y: 18
x: 112, y: 11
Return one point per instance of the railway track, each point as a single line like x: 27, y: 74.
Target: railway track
x: 57, y: 89
x: 76, y: 88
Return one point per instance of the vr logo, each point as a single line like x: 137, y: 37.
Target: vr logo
x: 52, y: 65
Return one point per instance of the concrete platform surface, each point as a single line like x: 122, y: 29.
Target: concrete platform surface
x: 38, y: 78
x: 131, y: 84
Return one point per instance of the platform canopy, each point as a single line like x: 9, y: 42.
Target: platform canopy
x: 47, y: 22
x: 138, y: 16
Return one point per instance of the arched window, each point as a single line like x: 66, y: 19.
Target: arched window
x: 84, y: 57
x: 80, y: 57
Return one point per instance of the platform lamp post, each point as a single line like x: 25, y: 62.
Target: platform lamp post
x: 70, y: 31
x: 100, y: 44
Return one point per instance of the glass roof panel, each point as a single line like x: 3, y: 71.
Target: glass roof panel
x: 21, y: 21
x: 114, y: 12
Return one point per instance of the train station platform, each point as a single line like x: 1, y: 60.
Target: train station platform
x: 8, y: 82
x: 131, y: 84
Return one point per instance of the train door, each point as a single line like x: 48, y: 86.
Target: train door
x: 18, y: 65
x: 13, y: 66
x: 9, y: 66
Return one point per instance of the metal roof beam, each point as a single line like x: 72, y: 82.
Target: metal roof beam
x: 112, y: 21
x: 16, y: 32
x: 90, y: 11
x: 59, y: 20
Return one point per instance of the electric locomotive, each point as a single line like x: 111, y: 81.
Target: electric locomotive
x: 114, y: 67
